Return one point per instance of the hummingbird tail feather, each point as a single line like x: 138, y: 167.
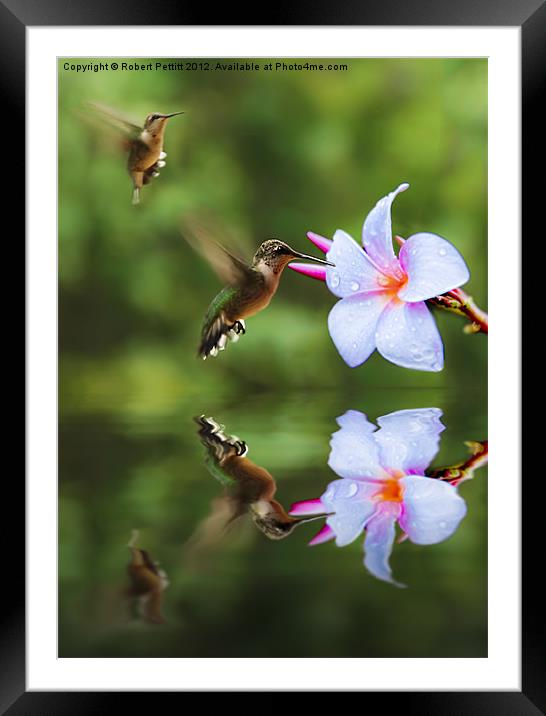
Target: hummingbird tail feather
x: 213, y: 436
x: 136, y: 196
x: 216, y: 335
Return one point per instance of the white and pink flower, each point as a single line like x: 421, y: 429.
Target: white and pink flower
x: 383, y: 295
x: 382, y: 483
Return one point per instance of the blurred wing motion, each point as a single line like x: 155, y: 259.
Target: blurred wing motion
x: 212, y: 530
x: 124, y: 125
x: 229, y: 268
x: 147, y: 583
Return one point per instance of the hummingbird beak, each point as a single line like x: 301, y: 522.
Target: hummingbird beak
x: 166, y: 116
x: 301, y: 520
x: 297, y: 255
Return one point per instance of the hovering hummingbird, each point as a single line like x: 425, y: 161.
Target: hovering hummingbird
x: 144, y: 144
x: 250, y: 287
x: 148, y: 582
x: 250, y: 489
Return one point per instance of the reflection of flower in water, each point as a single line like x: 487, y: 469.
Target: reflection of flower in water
x: 383, y: 482
x: 383, y: 295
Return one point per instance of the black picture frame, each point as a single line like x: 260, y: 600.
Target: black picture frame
x: 530, y: 16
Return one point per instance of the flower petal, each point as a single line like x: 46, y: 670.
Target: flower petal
x: 311, y: 270
x: 407, y: 335
x: 354, y: 453
x: 353, y: 506
x: 377, y: 232
x: 307, y: 507
x: 352, y: 324
x: 323, y: 535
x: 432, y: 509
x: 356, y: 422
x: 353, y: 271
x: 433, y: 266
x: 379, y: 541
x: 408, y: 439
x: 320, y: 241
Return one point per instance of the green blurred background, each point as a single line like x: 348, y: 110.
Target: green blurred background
x: 265, y: 154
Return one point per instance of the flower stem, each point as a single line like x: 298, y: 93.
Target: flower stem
x: 455, y: 474
x: 458, y: 301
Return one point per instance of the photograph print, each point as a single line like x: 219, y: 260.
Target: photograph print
x: 272, y: 357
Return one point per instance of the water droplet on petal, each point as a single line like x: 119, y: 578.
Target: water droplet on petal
x: 414, y: 426
x: 442, y: 252
x: 352, y: 490
x: 354, y: 286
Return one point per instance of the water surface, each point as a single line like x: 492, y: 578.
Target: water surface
x: 247, y: 595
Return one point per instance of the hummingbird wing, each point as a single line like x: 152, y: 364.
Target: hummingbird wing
x: 114, y: 131
x: 112, y: 117
x: 231, y: 269
x: 212, y: 530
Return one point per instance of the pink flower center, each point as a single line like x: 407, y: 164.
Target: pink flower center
x: 394, y: 281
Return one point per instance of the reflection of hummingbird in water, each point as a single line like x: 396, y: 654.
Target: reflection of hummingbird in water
x: 250, y: 287
x: 144, y: 144
x: 249, y: 488
x: 148, y: 582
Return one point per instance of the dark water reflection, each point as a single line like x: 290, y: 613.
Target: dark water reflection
x: 123, y: 468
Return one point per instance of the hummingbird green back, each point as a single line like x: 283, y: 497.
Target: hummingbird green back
x: 223, y: 320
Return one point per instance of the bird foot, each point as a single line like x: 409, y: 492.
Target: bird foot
x: 153, y: 171
x: 236, y: 330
